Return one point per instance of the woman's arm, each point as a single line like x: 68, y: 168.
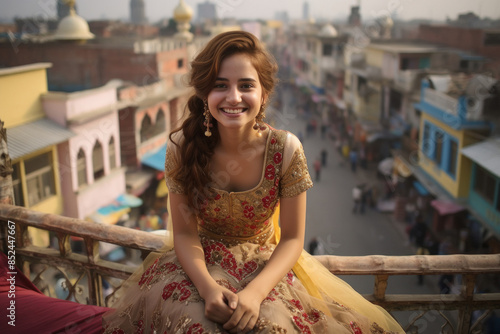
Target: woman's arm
x: 219, y: 301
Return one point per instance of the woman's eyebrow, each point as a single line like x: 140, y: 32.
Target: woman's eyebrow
x: 242, y: 79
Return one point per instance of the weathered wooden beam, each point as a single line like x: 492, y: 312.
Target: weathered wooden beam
x: 405, y: 302
x: 411, y: 265
x: 108, y: 233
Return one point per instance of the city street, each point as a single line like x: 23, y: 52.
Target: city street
x: 331, y: 221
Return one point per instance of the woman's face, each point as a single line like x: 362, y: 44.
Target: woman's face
x: 237, y: 95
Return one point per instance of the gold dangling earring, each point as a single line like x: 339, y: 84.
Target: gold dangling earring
x: 259, y: 124
x: 207, y: 122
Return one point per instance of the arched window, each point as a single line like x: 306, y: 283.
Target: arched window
x: 160, y: 123
x: 98, y: 160
x: 112, y: 153
x: 146, y: 129
x: 81, y: 168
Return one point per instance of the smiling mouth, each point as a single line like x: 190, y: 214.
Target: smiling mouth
x: 233, y: 110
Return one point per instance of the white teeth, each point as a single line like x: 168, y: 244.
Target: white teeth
x: 232, y: 111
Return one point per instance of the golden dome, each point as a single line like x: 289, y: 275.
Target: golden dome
x: 73, y: 27
x: 183, y: 12
x: 329, y: 31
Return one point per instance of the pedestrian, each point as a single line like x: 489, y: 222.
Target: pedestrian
x: 324, y: 127
x: 353, y: 158
x: 362, y: 158
x: 324, y: 155
x: 313, y: 245
x: 356, y: 197
x: 363, y: 200
x: 317, y: 168
x: 345, y: 149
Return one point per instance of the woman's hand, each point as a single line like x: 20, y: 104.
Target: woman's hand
x: 220, y: 304
x: 246, y: 314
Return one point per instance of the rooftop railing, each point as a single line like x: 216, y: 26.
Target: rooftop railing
x: 83, y: 273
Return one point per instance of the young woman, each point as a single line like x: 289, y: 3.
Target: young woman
x: 233, y: 269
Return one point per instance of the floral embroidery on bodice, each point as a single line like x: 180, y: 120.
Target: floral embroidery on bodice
x: 245, y: 215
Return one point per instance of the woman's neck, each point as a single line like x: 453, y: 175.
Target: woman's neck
x: 232, y: 141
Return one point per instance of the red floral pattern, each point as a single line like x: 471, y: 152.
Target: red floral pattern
x: 196, y: 328
x: 277, y: 158
x: 217, y: 254
x: 355, y: 328
x: 300, y: 325
x: 270, y: 172
x: 247, y: 210
x: 179, y: 290
x: 154, y: 272
x: 139, y: 329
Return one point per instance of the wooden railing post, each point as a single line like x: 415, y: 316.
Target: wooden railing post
x: 465, y: 314
x: 380, y: 287
x: 6, y: 188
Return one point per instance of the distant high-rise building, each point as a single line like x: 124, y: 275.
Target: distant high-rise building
x: 305, y: 11
x: 206, y: 11
x: 138, y: 12
x: 282, y: 16
x: 63, y: 9
x: 355, y: 17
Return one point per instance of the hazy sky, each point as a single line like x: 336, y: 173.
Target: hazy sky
x: 265, y: 9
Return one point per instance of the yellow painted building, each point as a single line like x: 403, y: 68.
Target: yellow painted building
x: 32, y: 141
x: 20, y: 90
x: 451, y: 169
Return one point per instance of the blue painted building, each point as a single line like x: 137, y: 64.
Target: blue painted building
x: 458, y: 162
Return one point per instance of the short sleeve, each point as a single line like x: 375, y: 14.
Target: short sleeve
x: 170, y: 163
x: 296, y: 178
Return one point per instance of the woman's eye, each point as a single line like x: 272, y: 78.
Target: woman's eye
x: 247, y: 86
x: 219, y: 86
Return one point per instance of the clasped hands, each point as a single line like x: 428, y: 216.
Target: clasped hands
x: 237, y: 312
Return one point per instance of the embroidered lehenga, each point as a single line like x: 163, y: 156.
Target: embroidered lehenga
x: 238, y: 235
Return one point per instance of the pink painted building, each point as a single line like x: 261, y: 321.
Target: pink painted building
x: 90, y: 165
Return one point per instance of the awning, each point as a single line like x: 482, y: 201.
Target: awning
x: 138, y: 181
x: 34, y: 136
x: 486, y: 154
x: 155, y: 159
x: 338, y: 102
x: 109, y: 214
x: 420, y: 188
x: 446, y: 207
x: 129, y: 200
x: 318, y: 98
x: 372, y: 137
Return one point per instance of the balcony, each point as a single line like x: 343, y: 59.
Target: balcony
x: 441, y: 101
x: 86, y: 287
x: 408, y: 80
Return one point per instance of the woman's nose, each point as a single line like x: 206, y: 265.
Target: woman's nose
x: 233, y: 95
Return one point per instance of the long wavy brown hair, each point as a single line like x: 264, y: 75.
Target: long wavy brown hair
x: 195, y: 149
